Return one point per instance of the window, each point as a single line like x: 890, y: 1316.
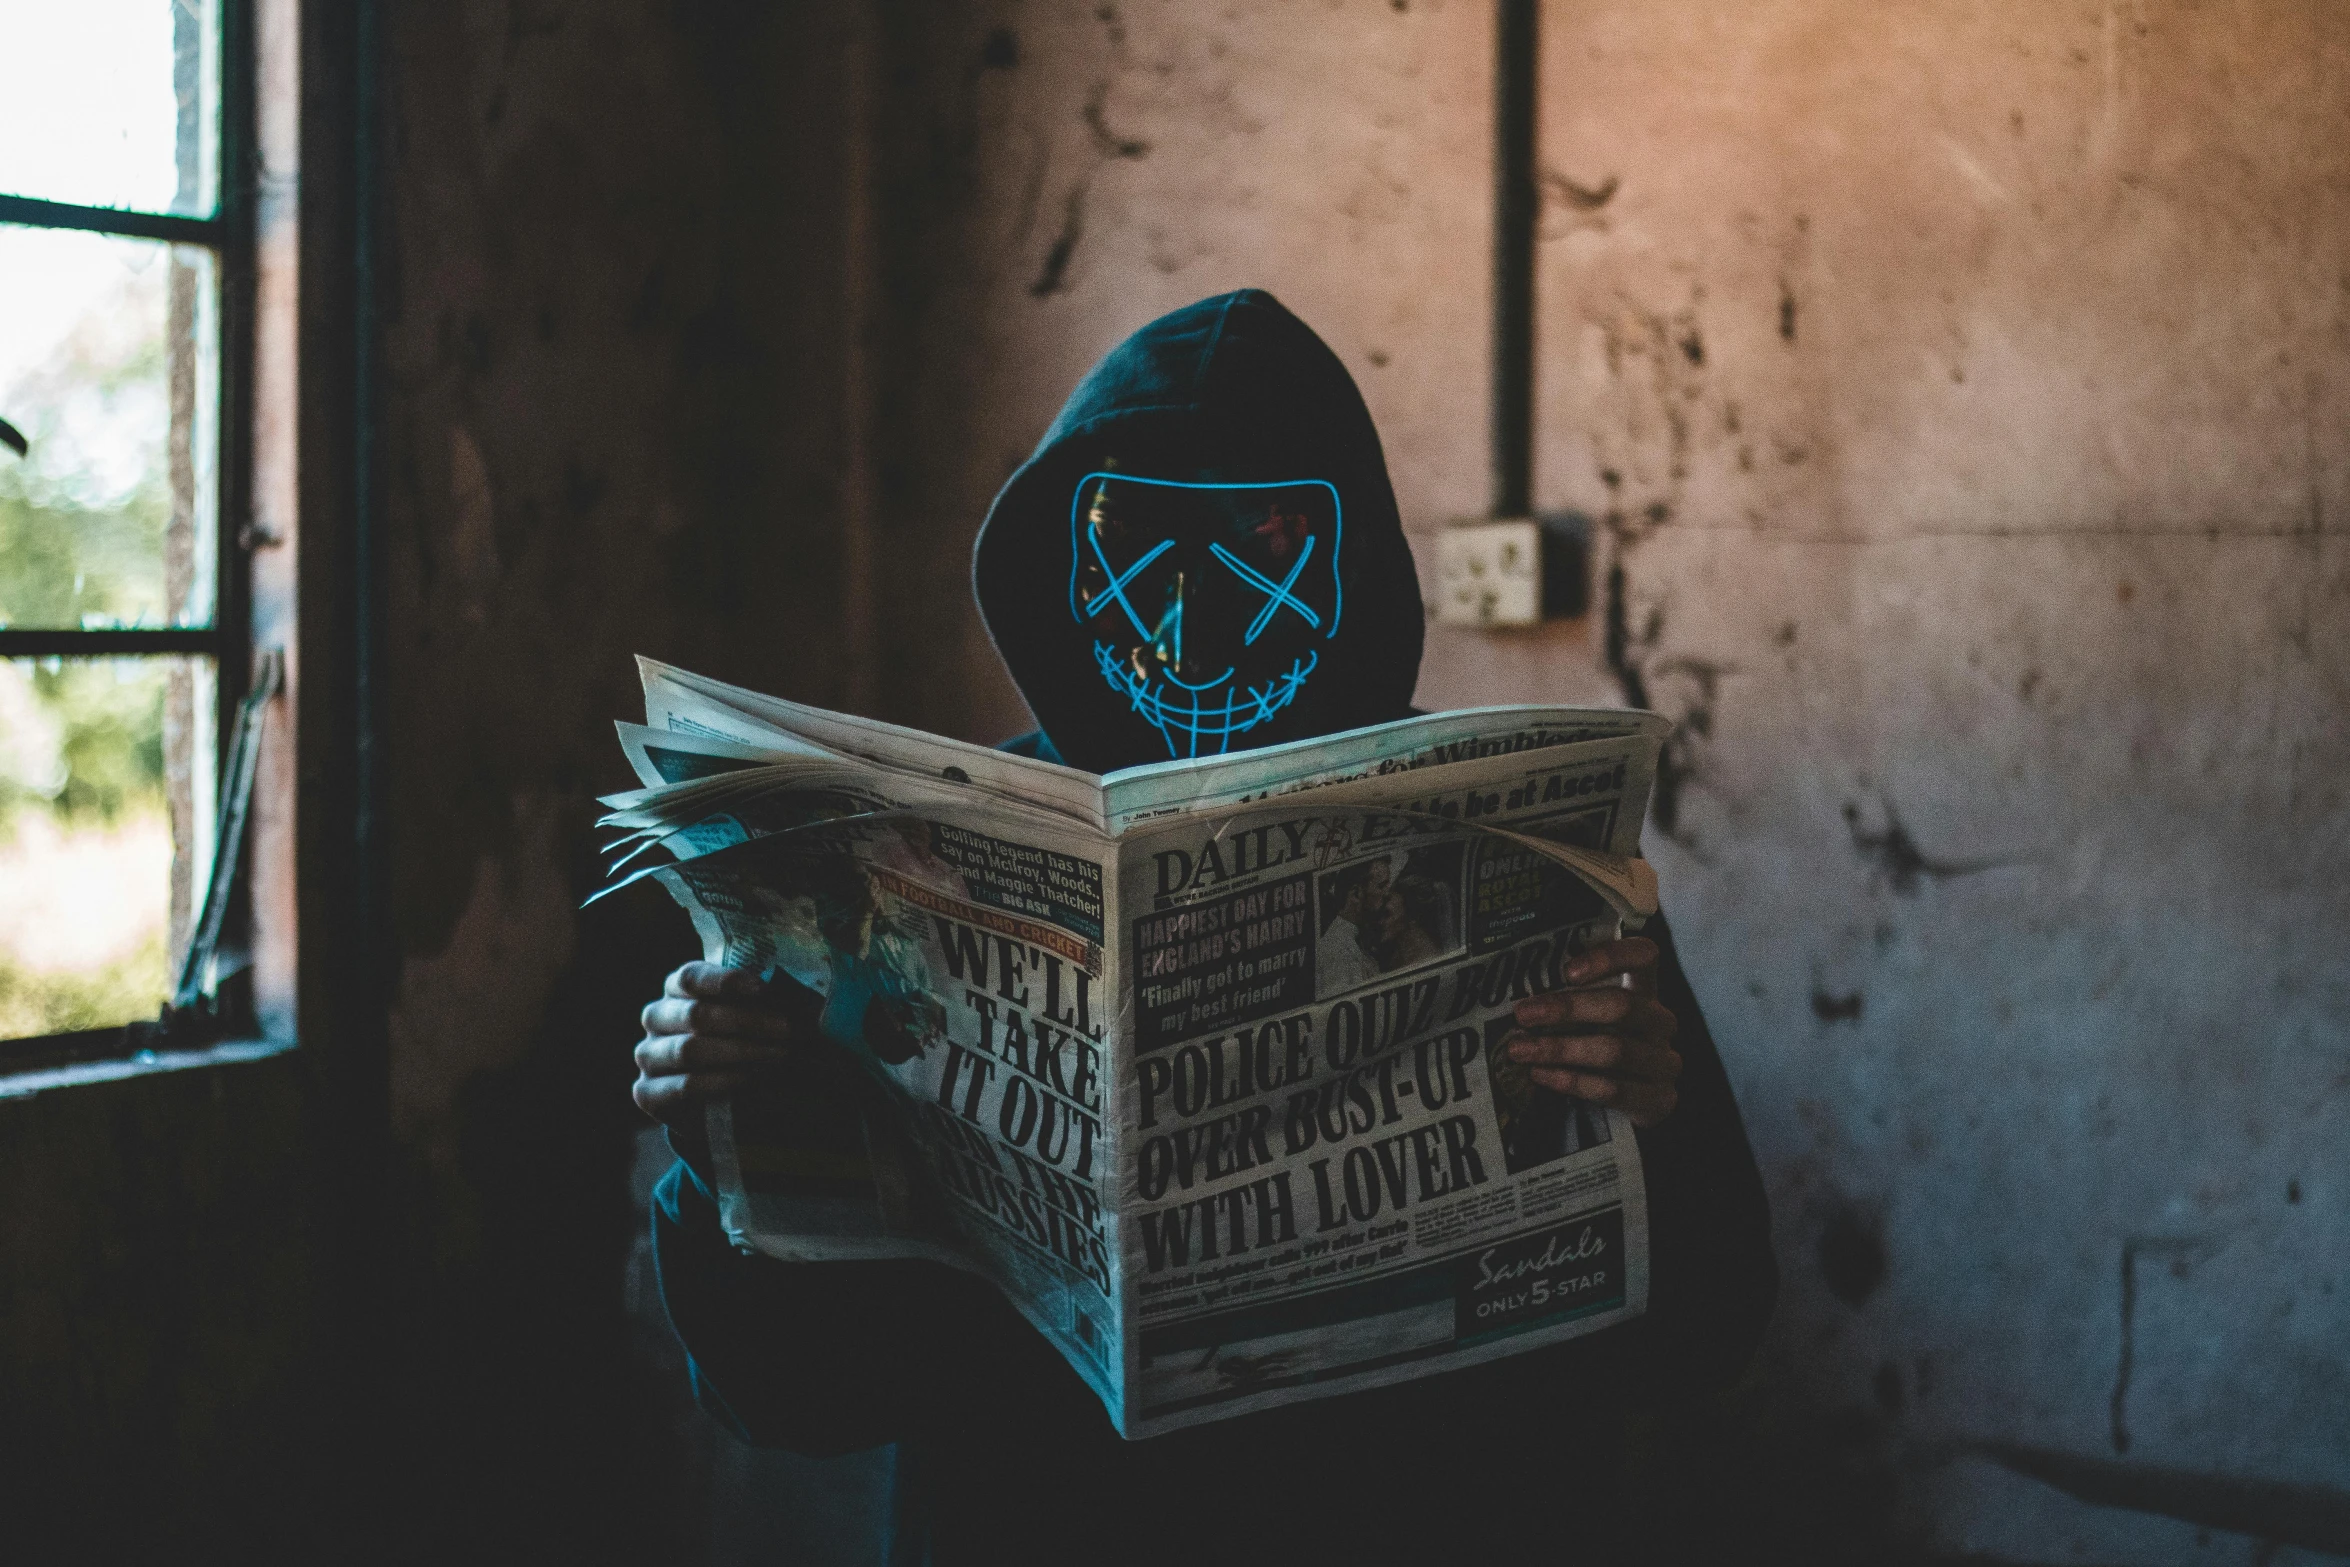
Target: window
x: 125, y: 308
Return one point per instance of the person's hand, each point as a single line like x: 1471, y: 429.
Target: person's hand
x: 1603, y: 1040
x: 713, y: 1030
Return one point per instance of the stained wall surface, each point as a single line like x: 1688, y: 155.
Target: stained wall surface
x: 1963, y: 394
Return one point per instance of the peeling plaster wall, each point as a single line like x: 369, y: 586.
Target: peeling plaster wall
x: 1962, y: 394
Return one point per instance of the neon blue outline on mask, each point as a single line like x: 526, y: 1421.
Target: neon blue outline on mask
x: 1118, y: 580
x: 1242, y: 710
x: 1239, y: 712
x: 1077, y: 526
x: 1279, y: 594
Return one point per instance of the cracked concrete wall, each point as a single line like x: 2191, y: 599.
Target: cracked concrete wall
x: 1961, y: 393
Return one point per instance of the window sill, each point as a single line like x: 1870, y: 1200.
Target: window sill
x: 40, y: 1080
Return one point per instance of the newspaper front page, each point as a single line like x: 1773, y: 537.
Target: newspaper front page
x: 1205, y: 1072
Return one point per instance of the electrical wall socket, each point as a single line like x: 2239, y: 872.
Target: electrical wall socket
x: 1489, y: 574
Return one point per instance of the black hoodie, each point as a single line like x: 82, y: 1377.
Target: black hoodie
x: 1237, y: 389
x: 1002, y: 1453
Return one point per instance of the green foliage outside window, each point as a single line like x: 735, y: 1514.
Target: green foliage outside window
x: 82, y: 543
x: 80, y: 547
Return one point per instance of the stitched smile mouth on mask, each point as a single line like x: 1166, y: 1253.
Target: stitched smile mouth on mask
x: 1204, y: 725
x: 1206, y: 602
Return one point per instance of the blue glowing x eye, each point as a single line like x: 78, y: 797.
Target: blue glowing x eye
x: 1279, y: 592
x: 1116, y: 591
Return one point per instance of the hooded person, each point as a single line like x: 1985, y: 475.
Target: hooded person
x: 1204, y: 554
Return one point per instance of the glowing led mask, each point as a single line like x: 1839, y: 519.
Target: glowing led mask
x: 1208, y: 605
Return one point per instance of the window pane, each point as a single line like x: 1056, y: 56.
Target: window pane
x: 106, y: 830
x: 111, y: 103
x: 109, y: 367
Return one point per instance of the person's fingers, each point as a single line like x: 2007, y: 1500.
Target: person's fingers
x: 1649, y: 1103
x: 1598, y: 1052
x: 681, y: 1015
x: 1645, y: 1102
x: 1610, y: 1009
x: 1568, y: 1009
x: 1634, y: 955
x: 1612, y: 1055
x: 682, y: 1097
x: 1656, y: 1063
x: 1651, y: 1023
x: 1591, y: 1087
x: 714, y: 982
x: 665, y: 1055
x: 1613, y: 962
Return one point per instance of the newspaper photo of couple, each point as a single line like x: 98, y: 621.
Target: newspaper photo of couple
x: 1384, y: 914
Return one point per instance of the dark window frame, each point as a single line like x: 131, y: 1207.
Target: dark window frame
x: 230, y: 235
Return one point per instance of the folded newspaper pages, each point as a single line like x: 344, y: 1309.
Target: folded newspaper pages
x: 1200, y: 1062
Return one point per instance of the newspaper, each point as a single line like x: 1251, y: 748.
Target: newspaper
x: 1201, y: 1063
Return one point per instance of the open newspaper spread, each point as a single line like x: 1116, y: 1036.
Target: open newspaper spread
x: 1201, y: 1062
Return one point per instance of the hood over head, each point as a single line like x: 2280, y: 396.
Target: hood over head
x: 1204, y: 553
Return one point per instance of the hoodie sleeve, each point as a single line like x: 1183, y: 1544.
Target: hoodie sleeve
x: 1713, y: 1279
x: 821, y: 1357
